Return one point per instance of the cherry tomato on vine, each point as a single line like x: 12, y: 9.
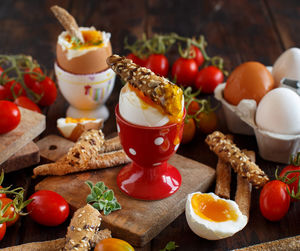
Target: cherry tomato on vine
x: 136, y: 59
x: 3, y: 92
x: 184, y: 71
x: 2, y: 195
x: 198, y: 57
x: 208, y: 78
x: 30, y: 79
x: 189, y: 131
x: 207, y: 121
x: 158, y: 63
x: 10, y: 212
x: 27, y: 103
x: 48, y: 208
x: 274, y: 200
x: 47, y: 89
x: 18, y: 89
x: 113, y: 244
x: 10, y: 116
x: 2, y: 230
x: 294, y: 185
x: 193, y: 108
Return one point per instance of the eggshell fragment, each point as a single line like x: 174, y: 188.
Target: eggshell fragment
x: 73, y: 131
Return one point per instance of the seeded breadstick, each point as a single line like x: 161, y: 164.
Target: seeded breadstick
x: 67, y: 21
x: 56, y: 245
x: 223, y: 177
x: 112, y: 144
x: 231, y: 154
x: 83, y: 226
x: 243, y: 189
x: 100, y: 161
x: 160, y: 90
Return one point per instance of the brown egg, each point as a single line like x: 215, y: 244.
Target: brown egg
x: 250, y: 80
x: 91, y: 62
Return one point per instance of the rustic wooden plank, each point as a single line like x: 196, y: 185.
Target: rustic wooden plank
x: 31, y: 125
x: 27, y: 156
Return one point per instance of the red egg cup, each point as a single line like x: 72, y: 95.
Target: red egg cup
x: 149, y: 176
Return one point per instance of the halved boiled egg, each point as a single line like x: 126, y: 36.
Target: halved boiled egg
x: 212, y: 217
x: 72, y: 128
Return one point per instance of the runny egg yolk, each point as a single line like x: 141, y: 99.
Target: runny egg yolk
x: 173, y: 103
x: 91, y: 38
x: 211, y: 209
x: 80, y: 120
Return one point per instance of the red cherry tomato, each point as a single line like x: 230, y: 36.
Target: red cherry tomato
x: 294, y: 185
x: 9, y: 212
x: 207, y: 122
x: 184, y: 71
x: 16, y: 88
x: 30, y: 79
x: 2, y: 230
x: 10, y: 116
x: 137, y: 60
x: 189, y: 131
x: 193, y: 108
x: 2, y: 195
x: 27, y: 103
x: 47, y: 89
x: 48, y: 208
x: 3, y: 92
x: 274, y: 201
x: 199, y: 57
x: 208, y: 78
x: 158, y: 63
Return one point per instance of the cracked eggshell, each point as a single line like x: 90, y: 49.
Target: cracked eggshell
x: 287, y: 66
x: 73, y: 130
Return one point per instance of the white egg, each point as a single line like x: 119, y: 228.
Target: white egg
x: 279, y: 112
x: 287, y: 66
x: 136, y: 111
x: 212, y: 217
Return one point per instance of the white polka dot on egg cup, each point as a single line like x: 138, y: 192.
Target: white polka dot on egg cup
x: 149, y: 176
x: 86, y: 93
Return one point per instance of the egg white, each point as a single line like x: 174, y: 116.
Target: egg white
x: 71, y: 53
x: 214, y: 230
x: 67, y: 128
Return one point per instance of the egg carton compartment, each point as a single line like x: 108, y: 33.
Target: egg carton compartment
x: 241, y: 119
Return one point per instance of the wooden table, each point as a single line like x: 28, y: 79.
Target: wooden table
x: 238, y: 31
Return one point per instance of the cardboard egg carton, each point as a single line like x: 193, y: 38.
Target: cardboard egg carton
x: 240, y: 119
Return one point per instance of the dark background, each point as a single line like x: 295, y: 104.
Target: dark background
x: 238, y: 31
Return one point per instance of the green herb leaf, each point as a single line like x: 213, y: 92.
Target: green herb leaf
x: 102, y: 198
x: 171, y: 245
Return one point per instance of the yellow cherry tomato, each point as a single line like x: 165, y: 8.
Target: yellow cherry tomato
x: 113, y: 244
x: 189, y: 131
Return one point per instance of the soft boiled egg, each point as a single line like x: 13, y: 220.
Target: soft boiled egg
x: 212, y: 217
x: 72, y: 128
x: 279, y: 112
x: 87, y: 58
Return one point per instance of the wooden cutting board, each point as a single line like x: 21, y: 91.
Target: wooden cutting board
x: 138, y: 221
x: 27, y: 156
x: 31, y: 125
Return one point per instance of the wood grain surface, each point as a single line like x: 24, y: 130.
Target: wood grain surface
x: 27, y: 156
x: 238, y: 31
x: 31, y: 125
x: 139, y: 221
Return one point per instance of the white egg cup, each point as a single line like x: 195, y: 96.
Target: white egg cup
x: 86, y: 93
